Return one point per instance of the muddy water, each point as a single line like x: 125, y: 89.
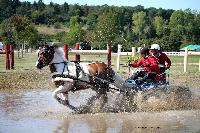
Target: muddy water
x: 35, y: 111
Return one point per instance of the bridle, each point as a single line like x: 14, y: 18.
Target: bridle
x: 45, y: 56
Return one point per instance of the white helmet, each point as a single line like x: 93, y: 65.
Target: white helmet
x: 155, y: 46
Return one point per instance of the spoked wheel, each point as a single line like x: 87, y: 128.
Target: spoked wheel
x: 162, y: 98
x: 86, y: 101
x: 154, y: 92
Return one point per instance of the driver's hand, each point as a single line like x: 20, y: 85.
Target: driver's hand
x: 167, y: 66
x: 148, y: 65
x: 130, y: 64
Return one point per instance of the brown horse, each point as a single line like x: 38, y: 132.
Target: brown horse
x: 73, y: 76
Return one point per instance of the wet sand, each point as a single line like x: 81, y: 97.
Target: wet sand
x: 35, y: 111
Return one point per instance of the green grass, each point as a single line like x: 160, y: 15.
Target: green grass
x: 28, y: 62
x: 180, y: 59
x: 43, y: 29
x: 26, y: 76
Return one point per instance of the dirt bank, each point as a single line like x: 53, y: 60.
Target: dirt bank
x: 24, y: 79
x: 32, y: 79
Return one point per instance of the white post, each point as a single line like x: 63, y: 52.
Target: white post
x: 199, y: 64
x: 133, y: 51
x: 185, y: 60
x: 24, y: 47
x: 139, y: 48
x: 118, y: 56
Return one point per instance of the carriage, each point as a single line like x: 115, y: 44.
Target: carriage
x: 72, y: 76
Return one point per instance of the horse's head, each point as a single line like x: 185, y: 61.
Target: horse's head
x: 45, y: 56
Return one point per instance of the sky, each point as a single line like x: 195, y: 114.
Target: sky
x: 165, y: 4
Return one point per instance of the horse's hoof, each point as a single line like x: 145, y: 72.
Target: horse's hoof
x: 64, y: 102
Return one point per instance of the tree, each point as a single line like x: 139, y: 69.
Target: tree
x: 89, y: 37
x: 91, y: 21
x: 57, y: 9
x: 18, y: 29
x: 41, y: 5
x: 65, y: 7
x: 139, y: 23
x: 5, y: 9
x: 74, y: 10
x: 61, y: 36
x: 182, y: 24
x: 106, y: 29
x: 197, y: 28
x: 15, y: 4
x: 76, y: 33
x: 35, y: 6
x: 160, y: 26
x: 24, y: 9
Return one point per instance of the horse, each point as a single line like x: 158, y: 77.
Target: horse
x: 74, y: 76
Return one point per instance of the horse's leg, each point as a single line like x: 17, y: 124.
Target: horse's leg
x: 91, y: 106
x: 64, y: 96
x: 55, y: 93
x: 63, y: 90
x: 93, y: 98
x: 102, y: 96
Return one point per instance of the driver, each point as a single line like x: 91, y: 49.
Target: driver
x: 149, y: 63
x: 163, y: 61
x: 160, y: 56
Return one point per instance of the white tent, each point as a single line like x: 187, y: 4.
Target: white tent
x: 1, y: 45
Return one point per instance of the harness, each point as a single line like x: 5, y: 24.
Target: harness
x: 93, y: 81
x: 62, y: 75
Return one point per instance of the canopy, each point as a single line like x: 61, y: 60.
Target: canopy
x: 191, y: 48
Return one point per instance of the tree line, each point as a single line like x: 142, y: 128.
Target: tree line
x: 99, y: 26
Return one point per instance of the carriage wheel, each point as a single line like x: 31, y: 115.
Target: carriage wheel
x: 91, y: 104
x: 169, y: 97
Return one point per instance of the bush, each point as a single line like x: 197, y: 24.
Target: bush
x: 57, y: 25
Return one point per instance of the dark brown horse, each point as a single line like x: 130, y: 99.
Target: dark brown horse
x: 73, y: 76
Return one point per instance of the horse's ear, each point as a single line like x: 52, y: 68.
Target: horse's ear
x: 45, y: 46
x: 51, y: 47
x: 54, y: 45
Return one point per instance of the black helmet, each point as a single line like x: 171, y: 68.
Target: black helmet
x: 144, y: 50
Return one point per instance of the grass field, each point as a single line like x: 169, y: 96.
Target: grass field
x: 28, y: 62
x: 42, y: 29
x: 26, y: 76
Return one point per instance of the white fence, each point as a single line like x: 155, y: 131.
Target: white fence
x: 119, y: 53
x: 94, y: 52
x: 186, y: 53
x: 175, y: 53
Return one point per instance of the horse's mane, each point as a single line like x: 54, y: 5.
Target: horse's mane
x: 59, y: 51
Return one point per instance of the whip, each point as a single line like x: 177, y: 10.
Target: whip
x: 167, y: 72
x: 129, y: 67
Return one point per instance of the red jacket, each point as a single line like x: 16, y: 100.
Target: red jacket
x: 150, y: 64
x: 162, y: 59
